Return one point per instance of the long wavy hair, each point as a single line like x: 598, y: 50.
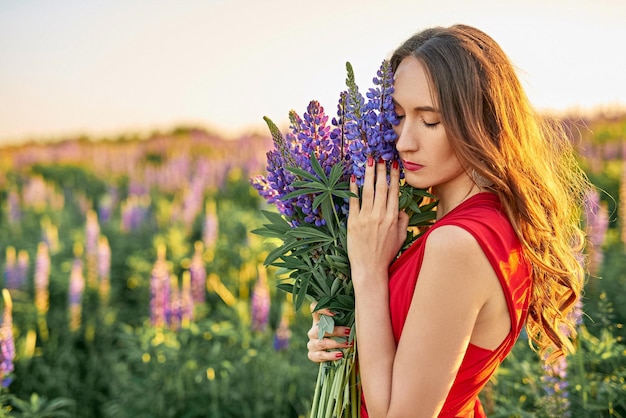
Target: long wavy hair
x: 527, y: 158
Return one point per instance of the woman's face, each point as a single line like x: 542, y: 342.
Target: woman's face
x: 423, y: 145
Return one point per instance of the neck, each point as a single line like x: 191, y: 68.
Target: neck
x: 450, y: 199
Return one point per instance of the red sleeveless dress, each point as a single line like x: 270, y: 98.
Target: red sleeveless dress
x: 484, y: 218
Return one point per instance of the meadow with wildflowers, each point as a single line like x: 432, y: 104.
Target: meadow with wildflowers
x: 133, y: 286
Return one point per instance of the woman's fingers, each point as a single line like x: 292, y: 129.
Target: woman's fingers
x: 367, y: 195
x: 326, y: 349
x: 394, y: 187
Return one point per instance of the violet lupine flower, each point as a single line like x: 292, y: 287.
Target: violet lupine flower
x: 104, y: 268
x: 197, y: 273
x: 42, y: 277
x: 92, y: 232
x: 210, y: 227
x: 556, y: 387
x: 10, y: 268
x: 596, y: 221
x: 159, y: 290
x: 134, y: 210
x: 15, y: 213
x: 76, y: 288
x: 260, y: 303
x: 282, y: 335
x: 309, y: 136
x: 7, y: 343
x: 369, y: 124
x: 21, y: 270
x: 192, y: 202
x: 173, y: 309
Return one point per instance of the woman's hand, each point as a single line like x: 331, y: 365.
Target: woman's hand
x: 376, y: 228
x: 328, y: 348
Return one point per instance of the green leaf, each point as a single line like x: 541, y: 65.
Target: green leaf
x: 301, y: 291
x: 309, y: 233
x: 326, y: 325
x: 302, y: 173
x: 318, y: 168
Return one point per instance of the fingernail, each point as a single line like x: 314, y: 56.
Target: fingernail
x: 395, y: 164
x: 339, y: 354
x: 353, y: 178
x: 380, y: 160
x: 347, y: 331
x: 370, y: 161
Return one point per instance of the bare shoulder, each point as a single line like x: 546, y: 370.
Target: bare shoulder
x: 454, y: 256
x: 452, y: 241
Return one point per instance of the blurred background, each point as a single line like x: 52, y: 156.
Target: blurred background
x: 128, y: 134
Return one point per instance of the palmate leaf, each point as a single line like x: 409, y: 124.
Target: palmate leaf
x: 278, y: 252
x: 303, y: 173
x: 310, y: 234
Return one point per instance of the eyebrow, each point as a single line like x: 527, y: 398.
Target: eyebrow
x: 421, y: 108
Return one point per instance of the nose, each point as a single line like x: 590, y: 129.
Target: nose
x: 405, y: 141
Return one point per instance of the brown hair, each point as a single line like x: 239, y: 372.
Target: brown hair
x: 528, y: 159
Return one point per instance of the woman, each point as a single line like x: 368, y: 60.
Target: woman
x: 434, y: 324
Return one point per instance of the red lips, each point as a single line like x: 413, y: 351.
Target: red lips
x: 411, y: 166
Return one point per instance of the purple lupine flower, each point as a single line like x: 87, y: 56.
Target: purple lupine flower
x: 596, y: 221
x: 159, y: 289
x: 133, y: 211
x: 556, y: 387
x: 10, y: 269
x: 42, y: 277
x: 104, y: 268
x: 76, y: 288
x: 260, y: 303
x: 173, y: 309
x: 197, y: 272
x: 192, y: 203
x: 7, y: 343
x: 92, y: 232
x: 21, y: 270
x: 282, y: 335
x: 309, y: 136
x: 369, y: 124
x: 15, y: 213
x: 210, y: 227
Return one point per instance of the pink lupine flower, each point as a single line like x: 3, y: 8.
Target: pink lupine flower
x: 159, y: 290
x: 260, y: 302
x: 197, y: 272
x: 76, y: 288
x: 42, y: 277
x: 7, y: 343
x: 210, y: 228
x: 104, y: 268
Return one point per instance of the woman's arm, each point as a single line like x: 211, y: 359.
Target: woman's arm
x: 414, y: 378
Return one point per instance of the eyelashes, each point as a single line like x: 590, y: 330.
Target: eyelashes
x: 426, y: 124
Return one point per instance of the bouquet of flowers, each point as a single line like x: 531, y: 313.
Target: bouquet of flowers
x: 307, y: 181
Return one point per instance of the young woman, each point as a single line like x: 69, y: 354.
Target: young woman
x: 434, y: 324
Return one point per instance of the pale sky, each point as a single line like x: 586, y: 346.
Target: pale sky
x: 108, y: 67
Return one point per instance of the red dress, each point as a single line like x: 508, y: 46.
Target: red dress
x: 484, y: 218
